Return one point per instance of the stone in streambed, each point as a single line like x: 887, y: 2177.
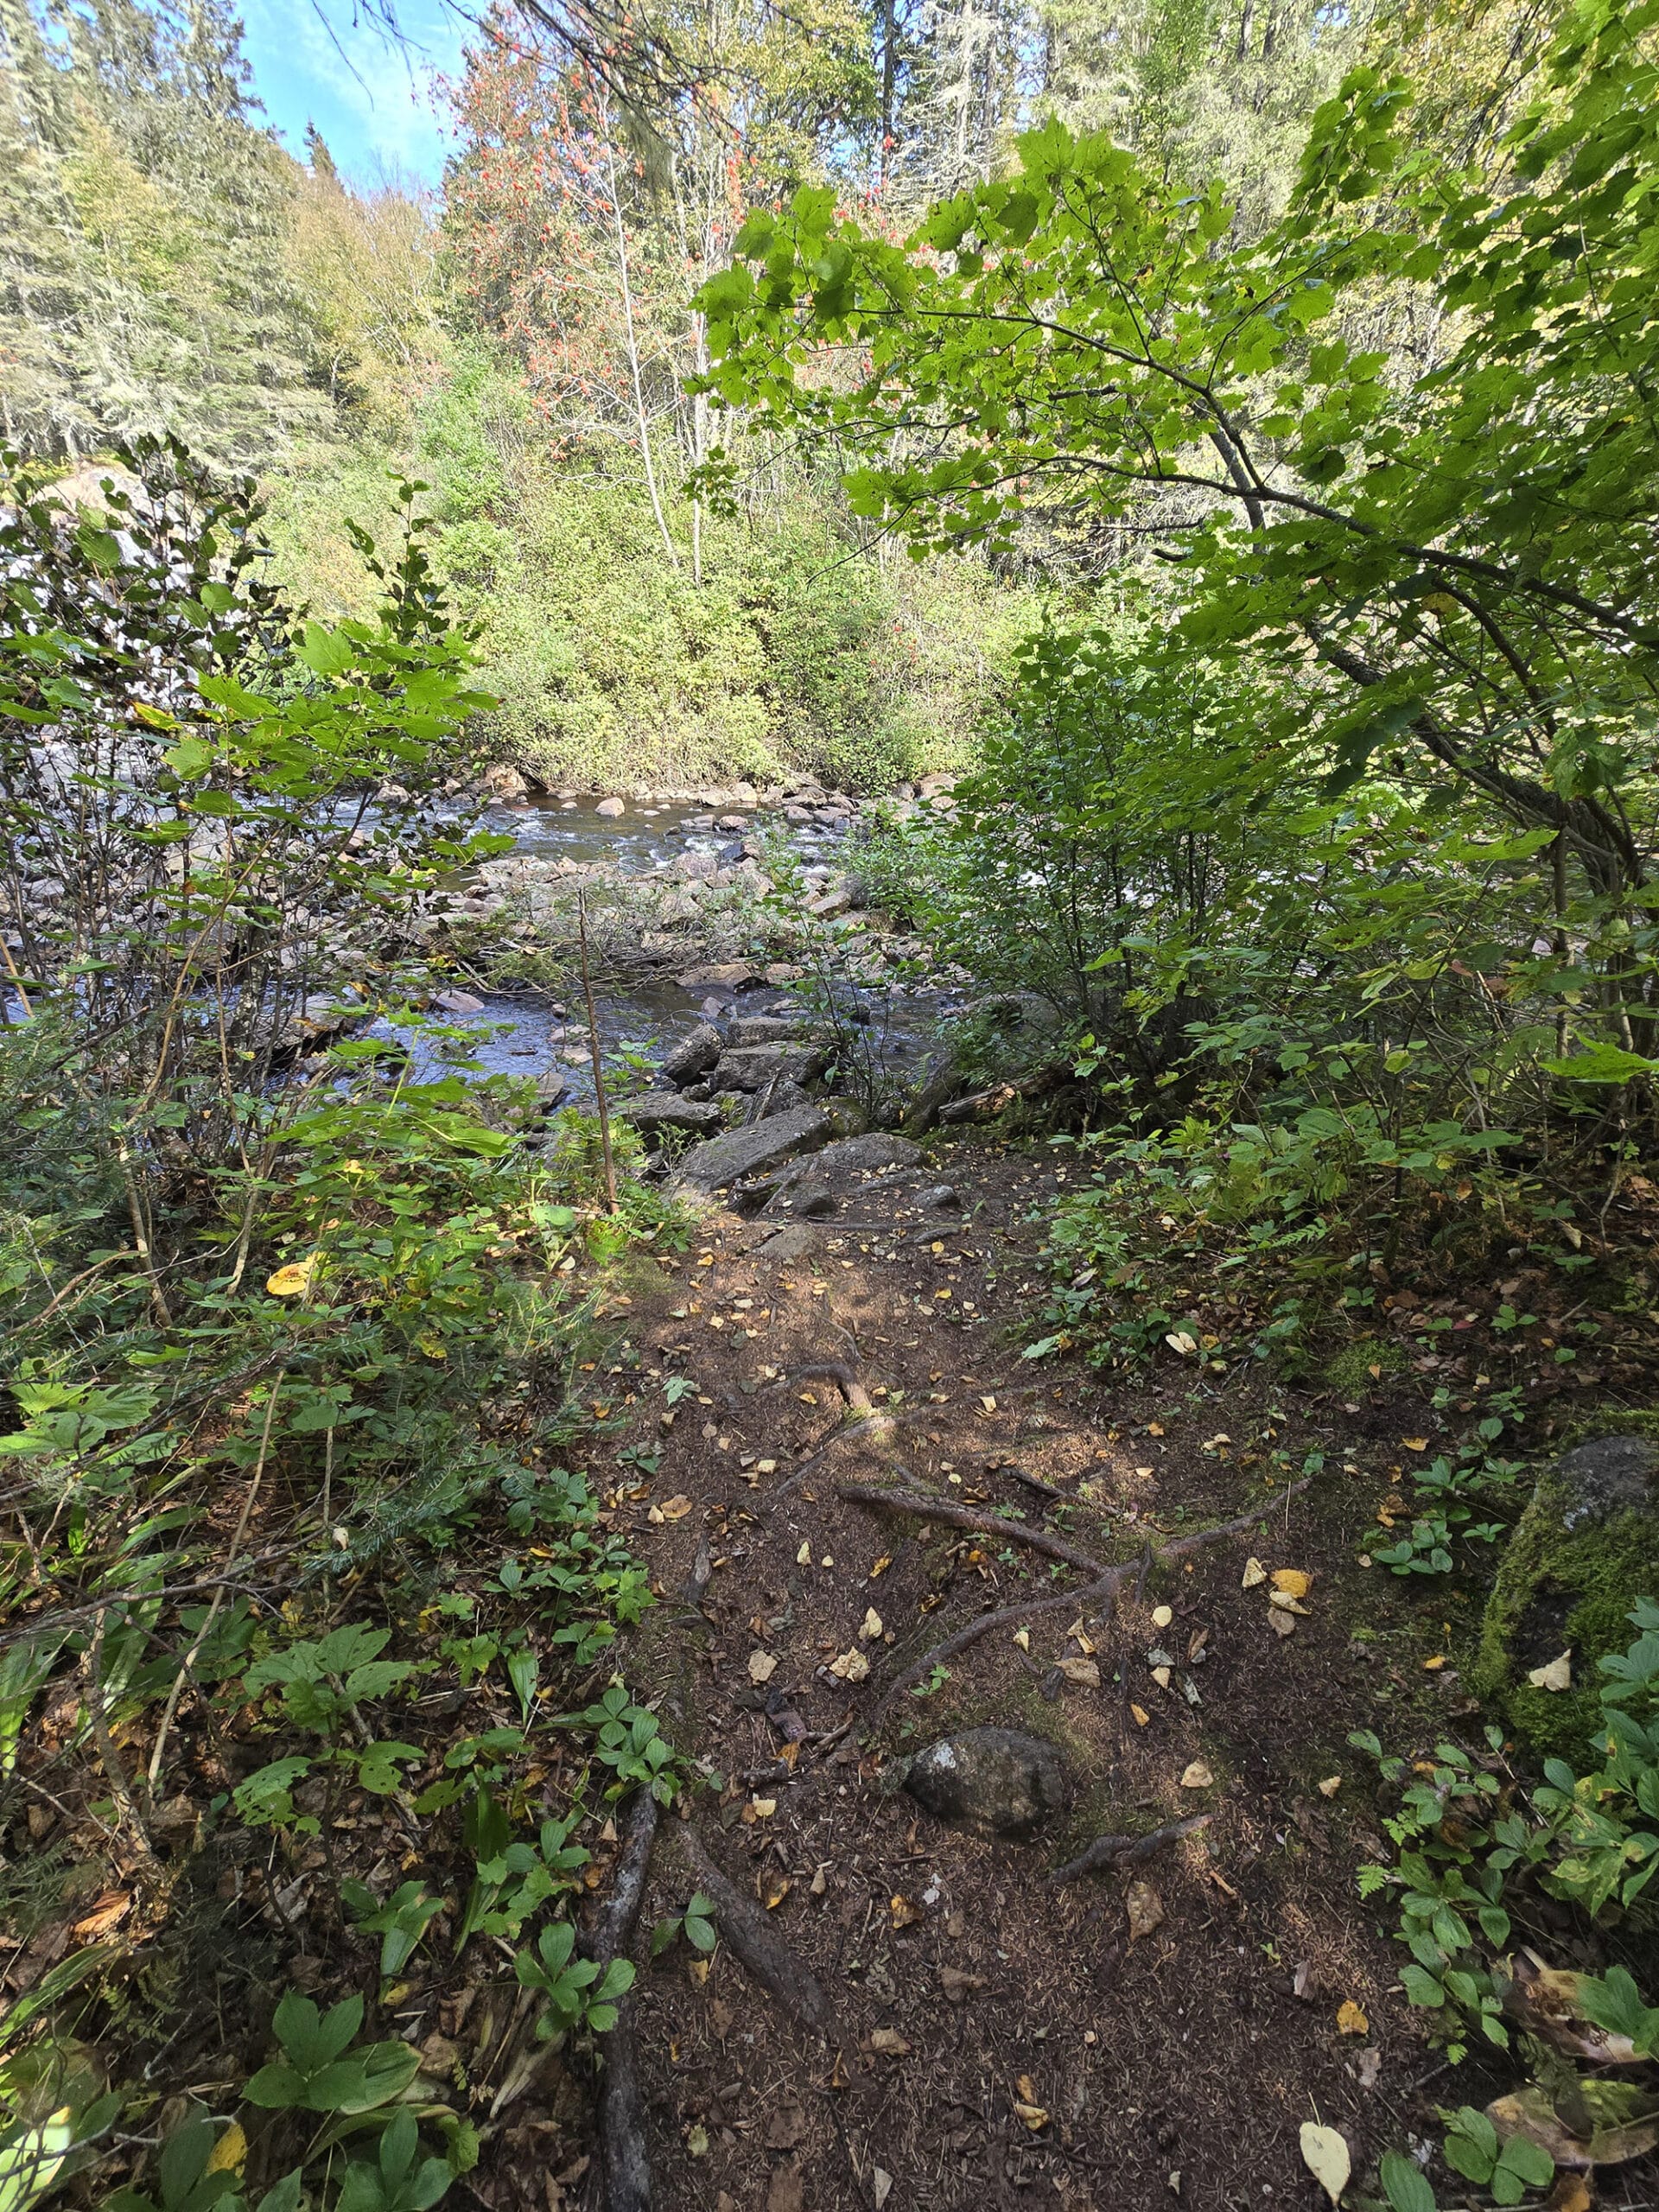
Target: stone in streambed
x: 993, y: 1781
x: 727, y: 1160
x: 693, y: 1055
x: 718, y: 975
x: 748, y: 1066
x: 656, y: 1110
x: 610, y: 808
x: 766, y: 1029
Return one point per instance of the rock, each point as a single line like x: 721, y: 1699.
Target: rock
x: 655, y: 1110
x: 939, y: 1198
x: 693, y: 1055
x: 750, y: 1065
x: 550, y: 1088
x: 842, y: 1165
x: 738, y: 822
x: 718, y: 975
x: 994, y: 1781
x: 931, y: 787
x: 799, y: 815
x: 812, y: 1202
x: 697, y: 867
x: 791, y: 1243
x: 503, y: 781
x: 610, y: 808
x: 1581, y: 1554
x: 783, y: 971
x: 764, y: 1029
x: 727, y: 1159
x: 457, y: 1002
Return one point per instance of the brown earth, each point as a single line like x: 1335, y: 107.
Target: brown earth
x: 997, y: 2039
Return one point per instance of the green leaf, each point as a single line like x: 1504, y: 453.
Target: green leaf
x: 1404, y: 2183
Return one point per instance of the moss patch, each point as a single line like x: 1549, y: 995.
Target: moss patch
x: 1566, y: 1584
x: 1350, y: 1368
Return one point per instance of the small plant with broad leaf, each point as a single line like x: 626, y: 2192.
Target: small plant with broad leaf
x: 574, y: 1992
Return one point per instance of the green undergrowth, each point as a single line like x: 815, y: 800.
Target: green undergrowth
x: 314, y: 1696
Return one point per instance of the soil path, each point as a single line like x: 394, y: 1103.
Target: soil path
x: 1150, y: 2035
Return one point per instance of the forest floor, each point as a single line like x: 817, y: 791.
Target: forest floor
x: 1147, y: 2035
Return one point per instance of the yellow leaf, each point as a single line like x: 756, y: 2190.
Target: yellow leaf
x: 293, y: 1280
x: 1034, y: 2116
x: 230, y: 2153
x: 1196, y: 1776
x: 1414, y: 1443
x: 871, y: 1627
x: 1558, y: 1676
x: 675, y: 1509
x: 762, y: 1667
x: 1084, y: 1673
x: 1162, y: 1616
x: 1022, y: 1637
x: 1255, y: 1574
x: 1350, y: 2021
x: 804, y: 1557
x: 1292, y: 1581
x: 1330, y: 1786
x: 1433, y: 1665
x: 1141, y: 1716
x: 1326, y: 2156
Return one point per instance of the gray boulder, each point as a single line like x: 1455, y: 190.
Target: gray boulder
x: 766, y: 1029
x: 666, y: 1110
x: 728, y: 1158
x: 693, y: 1055
x: 993, y: 1781
x: 748, y: 1066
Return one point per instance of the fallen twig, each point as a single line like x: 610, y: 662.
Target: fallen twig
x: 1126, y: 1850
x: 753, y: 1943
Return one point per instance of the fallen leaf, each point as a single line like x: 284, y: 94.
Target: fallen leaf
x: 959, y: 1985
x: 804, y: 1557
x: 1022, y: 1637
x: 1280, y: 1622
x: 881, y: 2186
x: 1161, y: 1676
x: 871, y: 1627
x: 1623, y: 2123
x: 1432, y: 1665
x: 696, y: 2142
x: 293, y: 1280
x: 1196, y: 1776
x: 1178, y: 1340
x: 762, y: 1666
x: 114, y: 1905
x: 1145, y: 1909
x: 1549, y: 2000
x: 1324, y: 2154
x: 1558, y: 1676
x: 675, y: 1509
x: 784, y: 2193
x: 1370, y: 2067
x: 988, y: 1403
x: 889, y: 2042
x: 881, y: 1565
x: 851, y: 1667
x: 903, y: 1913
x: 1283, y: 1602
x: 1141, y: 1715
x: 1034, y: 2116
x: 786, y: 2127
x: 1162, y: 1616
x: 1084, y: 1673
x: 1255, y: 1573
x: 763, y: 1808
x: 1570, y: 2194
x: 777, y: 1889
x: 229, y: 2155
x: 1330, y: 1786
x: 1350, y: 2021
x: 1292, y: 1581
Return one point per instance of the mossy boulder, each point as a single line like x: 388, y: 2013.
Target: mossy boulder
x: 1584, y: 1551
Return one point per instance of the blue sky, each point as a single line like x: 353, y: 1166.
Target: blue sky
x: 381, y: 121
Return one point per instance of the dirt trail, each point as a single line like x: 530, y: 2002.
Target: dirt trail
x: 1143, y: 2036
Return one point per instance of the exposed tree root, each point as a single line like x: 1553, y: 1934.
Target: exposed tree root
x: 838, y: 1372
x: 621, y: 2105
x: 1126, y: 1850
x: 772, y: 1964
x: 1102, y: 1591
x: 872, y: 1423
x: 927, y: 1507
